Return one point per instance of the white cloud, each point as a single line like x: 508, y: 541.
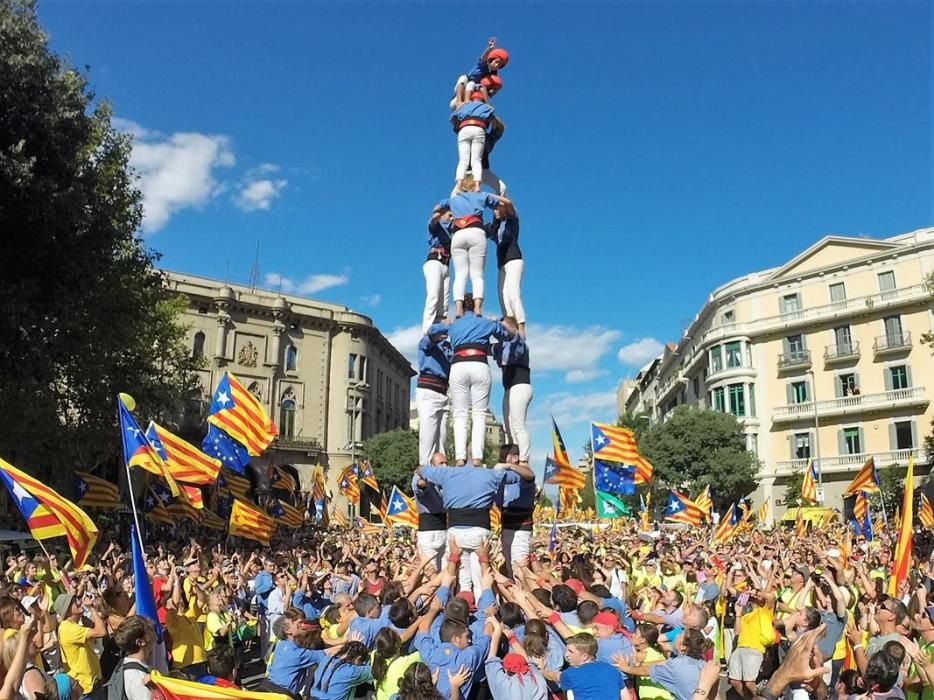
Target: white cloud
x: 372, y: 299
x: 578, y: 376
x: 576, y: 351
x: 569, y: 409
x: 639, y: 352
x: 405, y: 340
x: 310, y: 285
x: 257, y: 195
x: 175, y: 172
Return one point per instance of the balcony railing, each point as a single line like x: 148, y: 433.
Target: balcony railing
x: 916, y: 395
x: 836, y: 309
x: 892, y: 342
x: 841, y: 352
x: 298, y: 444
x: 795, y: 358
x: 844, y: 463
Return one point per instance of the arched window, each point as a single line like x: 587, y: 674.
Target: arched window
x: 287, y: 418
x: 197, y: 348
x: 256, y: 391
x: 291, y: 358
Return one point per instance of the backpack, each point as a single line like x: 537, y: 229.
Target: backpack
x: 115, y: 687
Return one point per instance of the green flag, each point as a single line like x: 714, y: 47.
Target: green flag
x: 609, y: 506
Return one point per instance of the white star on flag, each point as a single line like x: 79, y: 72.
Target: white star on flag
x: 222, y: 398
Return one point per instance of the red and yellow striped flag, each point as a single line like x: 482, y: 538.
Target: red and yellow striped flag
x: 809, y: 483
x: 366, y: 527
x: 80, y: 530
x: 251, y: 523
x: 402, y: 509
x: 194, y: 495
x: 175, y: 689
x: 801, y: 526
x: 727, y: 526
x: 155, y: 510
x: 94, y: 492
x: 238, y: 486
x: 568, y: 499
x: 185, y: 461
x: 705, y: 502
x: 496, y: 518
x: 318, y: 484
x: 182, y: 507
x: 212, y: 520
x: 239, y: 414
x: 902, y: 558
x: 614, y: 444
x: 287, y: 515
x: 348, y: 484
x: 926, y: 514
x: 763, y: 513
x: 866, y: 480
x: 339, y: 517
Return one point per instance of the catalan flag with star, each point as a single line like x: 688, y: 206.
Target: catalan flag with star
x: 902, y: 556
x: 42, y: 523
x: 727, y: 526
x: 401, y: 509
x: 155, y: 510
x: 79, y: 529
x: 809, y: 483
x: 926, y: 512
x: 286, y: 515
x: 348, y: 484
x: 613, y: 444
x: 281, y: 480
x: 705, y: 502
x: 339, y: 517
x: 94, y: 492
x: 867, y: 480
x: 139, y: 452
x: 367, y: 476
x: 249, y: 522
x: 186, y: 462
x: 366, y: 527
x: 239, y: 414
x: 682, y: 509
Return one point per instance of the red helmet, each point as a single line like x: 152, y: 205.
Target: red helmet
x: 492, y: 83
x: 501, y: 54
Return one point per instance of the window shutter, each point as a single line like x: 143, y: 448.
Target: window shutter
x: 914, y: 434
x: 781, y: 304
x: 791, y: 446
x: 887, y: 374
x: 786, y: 347
x: 893, y: 437
x: 908, y: 375
x: 838, y: 386
x: 790, y: 393
x: 862, y: 440
x: 841, y: 442
x: 856, y: 384
x: 798, y: 301
x: 804, y: 342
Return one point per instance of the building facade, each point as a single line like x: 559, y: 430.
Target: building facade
x: 819, y: 359
x: 324, y: 373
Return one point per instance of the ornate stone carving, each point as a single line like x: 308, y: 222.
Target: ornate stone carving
x: 248, y: 355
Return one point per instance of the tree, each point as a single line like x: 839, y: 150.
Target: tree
x: 696, y: 447
x: 490, y: 450
x: 83, y: 312
x: 891, y: 490
x: 793, y: 490
x: 394, y: 457
x: 638, y: 423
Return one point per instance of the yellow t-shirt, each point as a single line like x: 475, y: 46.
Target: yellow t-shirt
x: 750, y: 631
x: 214, y: 622
x: 397, y: 668
x: 187, y: 640
x: 78, y: 658
x: 649, y: 689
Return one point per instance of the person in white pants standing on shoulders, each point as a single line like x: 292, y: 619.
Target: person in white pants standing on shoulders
x: 431, y: 393
x: 437, y: 268
x: 513, y: 357
x: 504, y: 231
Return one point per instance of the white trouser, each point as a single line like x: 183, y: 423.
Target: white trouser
x: 437, y: 288
x: 516, y: 547
x: 468, y: 251
x: 510, y: 293
x: 432, y: 407
x: 470, y: 142
x: 469, y: 540
x: 469, y: 87
x: 470, y: 393
x: 431, y: 545
x: 516, y: 402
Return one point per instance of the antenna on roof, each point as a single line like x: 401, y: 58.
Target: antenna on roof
x: 254, y: 271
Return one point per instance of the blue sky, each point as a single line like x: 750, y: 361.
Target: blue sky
x: 655, y: 150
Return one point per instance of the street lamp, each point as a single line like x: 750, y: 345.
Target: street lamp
x: 820, y: 471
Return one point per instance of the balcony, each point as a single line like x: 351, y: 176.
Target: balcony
x: 846, y: 463
x: 847, y: 405
x: 892, y: 343
x: 826, y: 312
x: 841, y: 352
x: 796, y: 359
x: 310, y: 446
x: 730, y: 371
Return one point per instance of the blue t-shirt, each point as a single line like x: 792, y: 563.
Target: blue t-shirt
x: 289, y: 662
x: 596, y: 680
x: 679, y: 675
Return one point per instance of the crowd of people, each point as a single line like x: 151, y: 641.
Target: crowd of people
x: 600, y: 612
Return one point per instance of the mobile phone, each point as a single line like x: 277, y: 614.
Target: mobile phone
x: 743, y: 598
x: 701, y: 577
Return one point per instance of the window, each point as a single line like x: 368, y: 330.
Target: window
x: 719, y: 402
x: 255, y: 389
x: 737, y: 400
x: 837, y: 292
x: 798, y: 392
x: 801, y: 446
x: 752, y: 400
x: 887, y: 281
x: 734, y: 354
x: 287, y: 418
x: 843, y: 340
x: 893, y: 331
x: 695, y: 384
x: 794, y: 348
x: 716, y: 360
x: 898, y: 377
x: 291, y: 358
x: 361, y: 375
x: 904, y: 435
x: 197, y: 347
x: 729, y: 316
x: 851, y: 441
x: 847, y: 385
x: 790, y: 303
x: 352, y: 366
x: 379, y: 385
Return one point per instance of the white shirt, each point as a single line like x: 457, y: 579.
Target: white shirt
x: 133, y: 685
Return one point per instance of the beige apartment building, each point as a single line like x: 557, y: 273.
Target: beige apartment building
x: 819, y: 358
x: 325, y: 373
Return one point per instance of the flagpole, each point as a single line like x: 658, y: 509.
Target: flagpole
x: 129, y: 484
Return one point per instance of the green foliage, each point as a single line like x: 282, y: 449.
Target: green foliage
x: 490, y: 450
x: 793, y: 490
x: 83, y: 312
x: 891, y: 489
x: 696, y: 447
x: 394, y: 457
x: 638, y: 423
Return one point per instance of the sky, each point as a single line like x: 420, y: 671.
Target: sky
x: 654, y: 150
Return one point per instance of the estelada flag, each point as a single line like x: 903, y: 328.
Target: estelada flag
x: 251, y: 523
x: 94, y: 492
x: 139, y: 452
x: 682, y: 509
x: 80, y: 530
x: 239, y: 414
x: 705, y: 502
x: 42, y: 524
x: 185, y: 461
x: 809, y: 483
x: 401, y: 509
x: 903, y: 548
x: 866, y: 480
x: 339, y: 517
x: 176, y: 689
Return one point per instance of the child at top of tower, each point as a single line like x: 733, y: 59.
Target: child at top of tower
x: 483, y: 77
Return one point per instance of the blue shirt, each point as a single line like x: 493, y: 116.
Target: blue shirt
x: 480, y: 71
x: 679, y: 675
x: 428, y: 499
x: 519, y: 496
x: 468, y: 487
x: 369, y: 627
x: 473, y: 109
x: 469, y: 203
x: 438, y: 236
x: 513, y: 352
x: 447, y: 657
x: 592, y: 681
x: 307, y: 604
x: 554, y: 660
x: 263, y: 586
x: 337, y: 678
x: 435, y: 358
x: 471, y: 329
x: 531, y: 686
x: 608, y: 648
x: 289, y: 662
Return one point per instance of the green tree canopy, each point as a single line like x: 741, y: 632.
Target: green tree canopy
x: 393, y: 456
x: 696, y: 447
x: 83, y: 312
